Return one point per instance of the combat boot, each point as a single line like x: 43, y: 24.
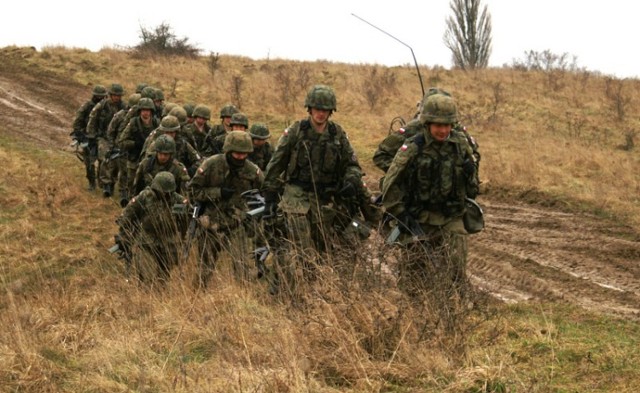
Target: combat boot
x: 92, y: 185
x: 107, y: 190
x: 124, y: 198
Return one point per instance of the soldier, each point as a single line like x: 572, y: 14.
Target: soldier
x: 217, y: 187
x: 97, y: 129
x: 158, y: 101
x: 132, y: 138
x: 319, y: 167
x: 425, y: 190
x: 389, y: 146
x: 163, y: 160
x: 185, y: 153
x: 188, y: 108
x: 197, y: 131
x: 113, y: 132
x: 226, y: 113
x: 262, y: 149
x: 79, y: 133
x: 213, y: 145
x: 154, y: 222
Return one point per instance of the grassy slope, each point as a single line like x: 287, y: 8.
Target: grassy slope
x: 71, y: 323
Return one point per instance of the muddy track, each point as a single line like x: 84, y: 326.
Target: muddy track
x: 533, y: 253
x: 525, y: 253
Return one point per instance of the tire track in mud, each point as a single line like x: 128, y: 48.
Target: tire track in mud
x: 532, y: 253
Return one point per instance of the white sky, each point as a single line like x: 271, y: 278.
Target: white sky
x: 601, y: 34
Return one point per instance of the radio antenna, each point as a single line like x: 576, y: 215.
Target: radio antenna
x: 412, y: 54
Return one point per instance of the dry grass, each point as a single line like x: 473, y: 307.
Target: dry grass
x: 72, y: 323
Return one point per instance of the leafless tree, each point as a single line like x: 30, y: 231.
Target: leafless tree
x: 468, y: 34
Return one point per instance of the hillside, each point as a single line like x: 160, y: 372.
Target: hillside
x: 561, y: 209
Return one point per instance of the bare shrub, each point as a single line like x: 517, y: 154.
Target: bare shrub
x: 618, y: 101
x: 377, y: 84
x: 213, y: 64
x: 161, y: 41
x: 237, y: 84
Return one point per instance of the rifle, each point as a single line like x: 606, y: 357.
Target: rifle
x: 409, y: 225
x: 79, y: 142
x: 193, y: 226
x: 113, y: 154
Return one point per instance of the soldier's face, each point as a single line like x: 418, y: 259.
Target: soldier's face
x: 163, y: 158
x: 115, y: 98
x: 440, y: 132
x: 238, y: 127
x: 258, y: 142
x: 226, y: 120
x: 200, y: 121
x: 319, y: 116
x: 239, y: 156
x: 145, y: 114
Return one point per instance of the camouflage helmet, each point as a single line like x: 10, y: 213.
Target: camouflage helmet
x: 140, y: 86
x: 169, y: 124
x: 321, y: 97
x: 164, y: 182
x: 439, y: 108
x: 165, y: 144
x: 99, y: 90
x: 148, y: 92
x: 228, y: 110
x: 158, y: 94
x: 167, y: 108
x: 189, y: 107
x: 180, y: 113
x: 202, y: 111
x: 116, y: 90
x: 133, y: 99
x: 146, y: 103
x: 239, y: 119
x: 259, y: 131
x: 237, y: 141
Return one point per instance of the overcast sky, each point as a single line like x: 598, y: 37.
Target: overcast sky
x: 601, y: 34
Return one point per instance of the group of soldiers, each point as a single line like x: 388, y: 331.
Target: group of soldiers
x: 183, y: 181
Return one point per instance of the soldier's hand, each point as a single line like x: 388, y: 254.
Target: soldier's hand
x: 349, y: 188
x: 469, y: 167
x: 227, y: 192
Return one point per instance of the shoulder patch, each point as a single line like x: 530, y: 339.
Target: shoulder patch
x: 258, y: 171
x: 404, y: 147
x: 200, y: 170
x: 286, y: 131
x: 133, y: 200
x: 401, y: 130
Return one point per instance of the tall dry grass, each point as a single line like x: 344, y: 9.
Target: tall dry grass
x: 71, y: 322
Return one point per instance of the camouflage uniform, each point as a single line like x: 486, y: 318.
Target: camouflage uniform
x: 319, y: 170
x: 154, y: 221
x: 262, y: 153
x: 217, y: 186
x: 425, y: 190
x: 214, y: 143
x: 132, y: 138
x: 150, y: 166
x: 116, y: 126
x: 185, y: 153
x: 97, y: 129
x: 80, y: 133
x: 196, y: 134
x: 226, y: 112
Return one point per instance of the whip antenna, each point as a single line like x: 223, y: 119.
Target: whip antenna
x: 412, y: 54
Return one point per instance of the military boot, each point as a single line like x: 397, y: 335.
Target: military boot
x: 124, y: 198
x: 92, y: 185
x: 107, y: 190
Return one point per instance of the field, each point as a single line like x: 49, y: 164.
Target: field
x: 556, y: 278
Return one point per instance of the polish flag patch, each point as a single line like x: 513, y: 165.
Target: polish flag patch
x: 404, y: 148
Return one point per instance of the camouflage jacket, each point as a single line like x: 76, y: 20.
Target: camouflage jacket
x: 313, y: 160
x: 197, y: 137
x: 82, y: 117
x: 214, y: 174
x: 150, y: 167
x: 261, y: 155
x: 133, y: 136
x: 388, y: 148
x: 116, y: 125
x: 150, y: 219
x: 101, y: 116
x: 426, y: 178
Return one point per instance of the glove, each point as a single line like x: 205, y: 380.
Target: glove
x: 469, y: 167
x: 226, y: 192
x: 349, y: 188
